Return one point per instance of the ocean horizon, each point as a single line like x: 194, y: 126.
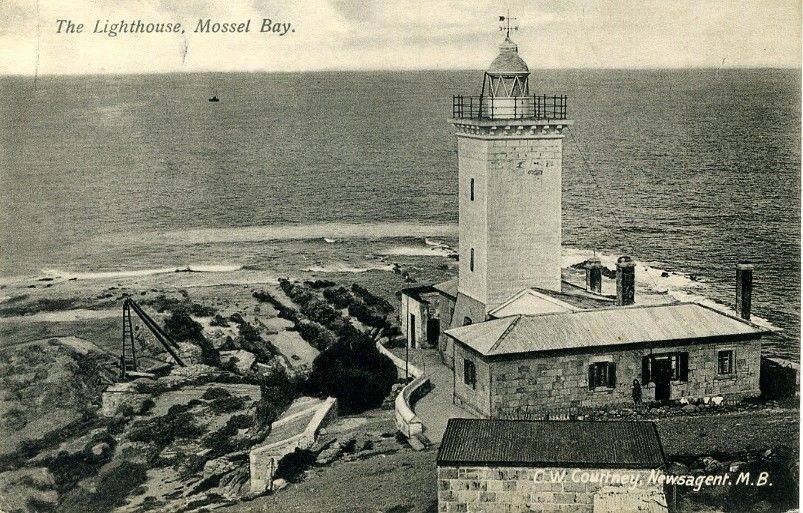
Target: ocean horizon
x: 688, y: 171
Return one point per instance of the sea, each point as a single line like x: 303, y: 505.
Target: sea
x: 688, y: 171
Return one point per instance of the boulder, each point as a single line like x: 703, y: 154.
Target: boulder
x: 278, y: 484
x: 242, y: 360
x: 716, y: 401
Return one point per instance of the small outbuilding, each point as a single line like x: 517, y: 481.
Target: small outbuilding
x: 573, y: 466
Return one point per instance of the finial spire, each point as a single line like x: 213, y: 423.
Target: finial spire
x: 505, y: 20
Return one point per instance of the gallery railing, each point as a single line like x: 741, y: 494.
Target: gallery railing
x: 517, y: 107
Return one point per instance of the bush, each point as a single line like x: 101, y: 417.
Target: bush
x: 277, y: 393
x: 202, y: 310
x: 339, y: 297
x: 320, y: 284
x: 372, y: 300
x: 162, y: 431
x: 366, y: 315
x: 353, y: 371
x: 181, y: 327
x: 215, y: 393
x: 219, y: 320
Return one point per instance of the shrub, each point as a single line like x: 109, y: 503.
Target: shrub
x: 215, y: 393
x: 181, y: 327
x: 355, y: 372
x: 372, y: 299
x: 339, y: 297
x: 320, y: 284
x: 162, y: 431
x: 202, y: 310
x: 219, y: 320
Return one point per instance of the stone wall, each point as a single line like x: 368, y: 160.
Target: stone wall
x: 418, y: 332
x: 264, y: 459
x: 513, y: 490
x: 465, y: 306
x: 472, y: 163
x: 476, y: 399
x: 531, y: 385
x: 524, y: 215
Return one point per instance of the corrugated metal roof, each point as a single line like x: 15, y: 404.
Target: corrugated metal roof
x: 601, y: 327
x: 584, y: 444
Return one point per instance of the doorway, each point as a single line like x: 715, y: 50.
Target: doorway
x: 662, y: 376
x: 433, y: 330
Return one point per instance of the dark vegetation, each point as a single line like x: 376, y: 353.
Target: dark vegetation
x: 40, y: 305
x: 219, y: 320
x: 319, y: 284
x: 353, y: 371
x: 349, y: 367
x: 181, y: 327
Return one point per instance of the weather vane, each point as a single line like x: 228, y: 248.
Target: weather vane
x: 505, y: 21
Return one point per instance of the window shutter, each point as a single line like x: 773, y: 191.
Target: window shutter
x: 612, y: 375
x: 591, y: 377
x: 645, y: 369
x: 683, y: 366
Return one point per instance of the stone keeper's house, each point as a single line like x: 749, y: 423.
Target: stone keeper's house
x: 525, y: 336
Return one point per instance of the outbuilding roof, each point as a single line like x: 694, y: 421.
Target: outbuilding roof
x: 448, y: 287
x: 677, y: 322
x: 551, y: 443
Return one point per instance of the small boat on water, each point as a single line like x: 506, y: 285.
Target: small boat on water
x: 214, y: 99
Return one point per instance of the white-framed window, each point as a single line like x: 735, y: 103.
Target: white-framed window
x: 725, y: 359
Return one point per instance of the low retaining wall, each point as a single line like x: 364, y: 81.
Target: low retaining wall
x: 407, y: 422
x: 779, y: 378
x: 264, y: 460
x: 399, y: 363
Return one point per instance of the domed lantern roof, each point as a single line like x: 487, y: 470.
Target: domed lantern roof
x: 508, y: 61
x: 508, y: 74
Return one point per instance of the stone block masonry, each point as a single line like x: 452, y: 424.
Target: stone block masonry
x: 528, y: 386
x: 492, y: 489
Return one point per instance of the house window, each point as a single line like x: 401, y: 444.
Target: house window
x: 678, y: 366
x: 469, y: 373
x: 725, y: 362
x: 467, y: 321
x: 601, y: 375
x: 471, y: 190
x: 471, y: 261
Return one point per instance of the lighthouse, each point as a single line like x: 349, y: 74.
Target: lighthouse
x: 510, y: 152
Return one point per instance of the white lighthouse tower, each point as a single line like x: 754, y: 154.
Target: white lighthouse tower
x: 510, y: 151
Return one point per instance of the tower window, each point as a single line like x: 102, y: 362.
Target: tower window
x: 471, y: 191
x: 471, y: 261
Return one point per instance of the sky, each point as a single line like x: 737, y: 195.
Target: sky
x: 396, y: 34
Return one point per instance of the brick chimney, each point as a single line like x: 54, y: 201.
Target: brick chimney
x: 594, y: 275
x: 744, y: 289
x: 625, y: 281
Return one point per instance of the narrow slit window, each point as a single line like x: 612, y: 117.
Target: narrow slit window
x: 471, y: 260
x: 471, y: 190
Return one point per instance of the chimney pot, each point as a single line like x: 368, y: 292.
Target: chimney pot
x: 625, y: 281
x: 594, y: 275
x: 744, y: 289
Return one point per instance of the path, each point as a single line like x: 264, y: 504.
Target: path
x: 436, y: 408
